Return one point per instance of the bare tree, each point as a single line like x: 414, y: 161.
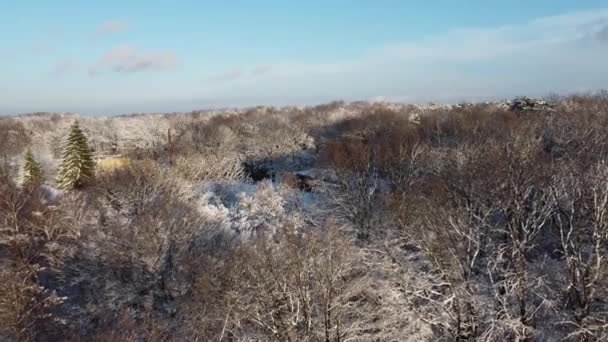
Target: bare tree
x: 583, y: 229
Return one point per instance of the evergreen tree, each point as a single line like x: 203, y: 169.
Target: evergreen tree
x: 30, y: 174
x: 77, y: 166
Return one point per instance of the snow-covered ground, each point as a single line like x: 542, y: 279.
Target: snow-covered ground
x: 245, y: 209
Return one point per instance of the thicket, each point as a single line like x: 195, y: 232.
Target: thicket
x: 475, y: 223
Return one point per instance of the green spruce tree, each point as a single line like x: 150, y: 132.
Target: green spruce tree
x: 30, y: 174
x: 77, y: 165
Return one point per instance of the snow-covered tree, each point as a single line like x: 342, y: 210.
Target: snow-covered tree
x: 77, y: 165
x: 30, y: 174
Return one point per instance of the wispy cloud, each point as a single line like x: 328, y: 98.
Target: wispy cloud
x: 543, y: 55
x: 235, y: 74
x: 112, y: 27
x: 125, y: 59
x: 261, y: 69
x: 65, y: 67
x: 602, y: 34
x: 468, y: 45
x: 42, y: 47
x: 227, y: 76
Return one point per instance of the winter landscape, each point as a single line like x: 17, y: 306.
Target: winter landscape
x: 185, y: 171
x: 371, y: 222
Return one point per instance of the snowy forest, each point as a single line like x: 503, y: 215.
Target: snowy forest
x: 339, y: 222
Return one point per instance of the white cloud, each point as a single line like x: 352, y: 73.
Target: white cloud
x: 42, y: 47
x: 261, y: 69
x: 112, y: 27
x: 126, y: 59
x: 602, y: 34
x: 551, y: 54
x: 227, y: 76
x: 65, y: 67
x: 238, y: 74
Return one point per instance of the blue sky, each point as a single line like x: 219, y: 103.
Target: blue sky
x: 112, y: 57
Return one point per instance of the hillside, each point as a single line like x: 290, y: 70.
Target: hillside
x: 340, y: 222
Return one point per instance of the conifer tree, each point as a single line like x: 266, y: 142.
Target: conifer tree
x: 77, y: 166
x: 30, y: 174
